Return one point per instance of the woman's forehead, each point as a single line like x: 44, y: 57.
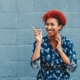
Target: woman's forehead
x: 51, y: 20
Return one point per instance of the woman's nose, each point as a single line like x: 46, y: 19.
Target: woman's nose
x: 49, y: 27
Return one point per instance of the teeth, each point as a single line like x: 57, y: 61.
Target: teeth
x: 50, y: 31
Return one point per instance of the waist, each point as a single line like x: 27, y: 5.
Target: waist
x: 55, y: 67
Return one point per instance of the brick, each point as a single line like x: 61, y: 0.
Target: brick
x: 63, y: 5
x: 8, y: 36
x: 25, y: 37
x: 73, y: 19
x: 75, y: 78
x: 24, y: 69
x: 8, y: 20
x: 11, y: 78
x: 25, y: 52
x: 8, y: 52
x: 8, y: 68
x: 9, y: 5
x: 27, y: 78
x: 25, y: 5
x: 28, y: 19
x: 0, y: 5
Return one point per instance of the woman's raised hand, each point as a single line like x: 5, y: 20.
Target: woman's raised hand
x: 37, y: 34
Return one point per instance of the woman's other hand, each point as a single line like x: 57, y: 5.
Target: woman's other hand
x: 37, y: 34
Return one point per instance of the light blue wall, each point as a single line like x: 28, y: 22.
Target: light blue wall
x: 16, y: 35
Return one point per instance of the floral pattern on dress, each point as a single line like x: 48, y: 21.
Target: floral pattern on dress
x: 51, y: 65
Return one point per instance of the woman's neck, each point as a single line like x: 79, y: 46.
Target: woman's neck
x: 53, y: 42
x: 52, y: 38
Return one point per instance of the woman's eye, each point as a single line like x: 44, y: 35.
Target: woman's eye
x: 52, y: 24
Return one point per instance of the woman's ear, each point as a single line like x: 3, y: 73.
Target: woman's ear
x: 60, y: 27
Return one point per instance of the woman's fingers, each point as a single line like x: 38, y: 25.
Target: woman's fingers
x: 57, y: 40
x: 36, y: 33
x: 33, y: 28
x: 40, y: 30
x: 58, y: 37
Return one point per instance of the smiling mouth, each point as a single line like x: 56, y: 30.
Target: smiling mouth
x: 49, y: 32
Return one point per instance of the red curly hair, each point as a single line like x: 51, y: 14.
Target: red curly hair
x: 55, y: 14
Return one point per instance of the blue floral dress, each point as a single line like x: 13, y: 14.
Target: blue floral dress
x: 51, y: 64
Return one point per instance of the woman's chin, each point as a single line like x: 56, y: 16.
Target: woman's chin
x: 50, y: 35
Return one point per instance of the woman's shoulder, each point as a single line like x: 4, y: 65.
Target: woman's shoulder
x: 66, y: 40
x: 44, y: 38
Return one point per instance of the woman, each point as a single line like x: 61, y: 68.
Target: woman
x: 54, y: 53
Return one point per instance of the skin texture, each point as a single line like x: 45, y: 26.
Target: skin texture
x: 52, y: 29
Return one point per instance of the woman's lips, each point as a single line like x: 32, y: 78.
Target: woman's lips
x: 49, y: 31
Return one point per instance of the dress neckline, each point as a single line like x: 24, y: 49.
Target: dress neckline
x: 50, y: 45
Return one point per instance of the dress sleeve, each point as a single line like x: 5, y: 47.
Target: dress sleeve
x: 36, y: 63
x: 72, y: 57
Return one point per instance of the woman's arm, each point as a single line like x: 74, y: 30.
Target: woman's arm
x: 64, y: 57
x: 35, y: 61
x: 38, y: 37
x: 36, y: 53
x: 70, y: 58
x: 59, y: 48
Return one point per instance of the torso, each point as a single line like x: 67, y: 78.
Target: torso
x: 51, y: 63
x: 54, y: 45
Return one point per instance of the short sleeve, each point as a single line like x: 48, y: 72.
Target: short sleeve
x: 36, y: 63
x: 72, y: 57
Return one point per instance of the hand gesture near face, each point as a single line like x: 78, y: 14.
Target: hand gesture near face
x: 37, y: 34
x: 58, y: 39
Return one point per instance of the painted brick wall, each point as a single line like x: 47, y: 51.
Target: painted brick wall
x: 16, y: 35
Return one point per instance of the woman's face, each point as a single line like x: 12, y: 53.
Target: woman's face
x: 52, y: 26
